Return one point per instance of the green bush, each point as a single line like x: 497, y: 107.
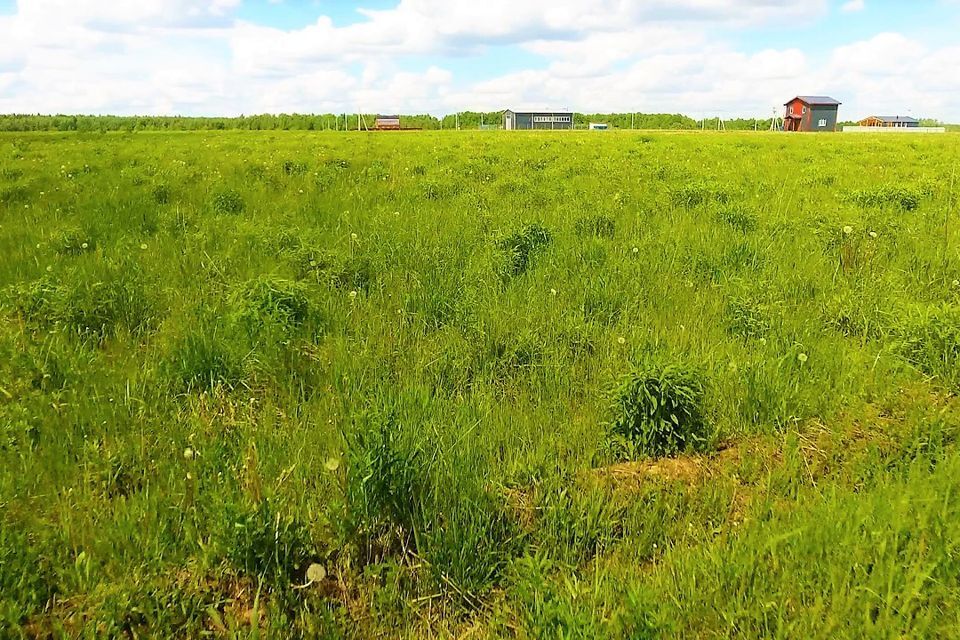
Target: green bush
x: 599, y: 226
x: 931, y: 342
x: 738, y: 218
x: 521, y: 247
x: 268, y: 544
x: 268, y: 301
x: 228, y: 202
x: 659, y: 411
x: 206, y: 357
x: 93, y: 305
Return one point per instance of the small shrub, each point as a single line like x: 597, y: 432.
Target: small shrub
x: 267, y: 300
x: 267, y: 544
x: 386, y: 484
x: 161, y: 194
x: 228, y: 202
x: 522, y: 246
x: 931, y: 342
x: 748, y: 317
x: 690, y: 196
x: 738, y: 218
x: 92, y: 305
x: 599, y: 226
x: 354, y: 273
x: 204, y: 359
x: 659, y: 411
x: 294, y: 168
x: 73, y: 242
x: 906, y: 198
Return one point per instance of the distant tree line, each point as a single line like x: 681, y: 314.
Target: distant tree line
x: 351, y: 121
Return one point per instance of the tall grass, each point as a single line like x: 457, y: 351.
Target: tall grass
x: 534, y: 385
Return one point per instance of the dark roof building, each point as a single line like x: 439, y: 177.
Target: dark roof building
x: 537, y: 119
x: 811, y: 113
x: 386, y: 123
x: 889, y: 121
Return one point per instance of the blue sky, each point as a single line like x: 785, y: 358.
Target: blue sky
x: 701, y: 57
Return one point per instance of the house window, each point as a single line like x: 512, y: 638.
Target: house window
x: 804, y: 110
x: 551, y: 119
x: 822, y: 123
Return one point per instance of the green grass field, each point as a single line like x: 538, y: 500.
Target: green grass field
x: 569, y: 385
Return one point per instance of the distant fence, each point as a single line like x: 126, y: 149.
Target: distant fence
x: 849, y: 129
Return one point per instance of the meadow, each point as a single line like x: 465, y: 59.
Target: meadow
x: 479, y: 384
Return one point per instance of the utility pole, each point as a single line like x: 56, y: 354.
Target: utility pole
x: 632, y: 120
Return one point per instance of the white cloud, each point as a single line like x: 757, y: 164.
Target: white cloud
x: 194, y: 56
x: 853, y: 6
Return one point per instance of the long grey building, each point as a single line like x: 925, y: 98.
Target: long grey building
x: 537, y: 119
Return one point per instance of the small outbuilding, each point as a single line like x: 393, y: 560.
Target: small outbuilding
x: 537, y: 120
x: 890, y: 121
x: 811, y: 113
x: 387, y: 123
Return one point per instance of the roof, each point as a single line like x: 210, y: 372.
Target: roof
x: 894, y: 119
x: 526, y: 110
x: 816, y: 100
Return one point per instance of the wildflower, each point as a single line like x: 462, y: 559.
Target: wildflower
x: 49, y: 267
x: 353, y: 236
x: 802, y: 357
x: 143, y: 245
x: 636, y: 249
x: 873, y: 234
x: 847, y: 230
x: 316, y: 572
x: 763, y: 341
x: 353, y: 294
x: 956, y: 283
x: 189, y: 454
x: 553, y: 292
x: 622, y: 340
x: 331, y: 464
x: 84, y: 245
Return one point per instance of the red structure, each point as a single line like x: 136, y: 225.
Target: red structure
x: 811, y: 113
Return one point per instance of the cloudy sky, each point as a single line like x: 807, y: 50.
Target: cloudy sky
x: 700, y: 57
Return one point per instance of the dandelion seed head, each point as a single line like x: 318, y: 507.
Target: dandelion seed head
x: 188, y: 454
x: 873, y: 234
x: 802, y: 357
x: 143, y: 246
x: 622, y: 340
x: 316, y: 572
x: 847, y: 230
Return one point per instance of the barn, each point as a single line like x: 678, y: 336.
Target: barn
x: 890, y: 121
x: 387, y: 123
x: 811, y: 113
x: 515, y: 120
